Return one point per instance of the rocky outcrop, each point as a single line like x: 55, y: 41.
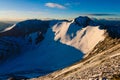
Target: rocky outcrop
x: 100, y: 66
x: 85, y: 21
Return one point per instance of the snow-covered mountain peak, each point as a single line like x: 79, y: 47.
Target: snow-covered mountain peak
x: 83, y: 36
x: 84, y: 21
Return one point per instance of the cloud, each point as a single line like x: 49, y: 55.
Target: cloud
x: 20, y: 15
x: 102, y: 14
x: 55, y: 5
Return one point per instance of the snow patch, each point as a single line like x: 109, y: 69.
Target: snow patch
x: 9, y: 28
x: 82, y: 38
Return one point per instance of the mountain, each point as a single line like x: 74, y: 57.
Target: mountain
x: 82, y: 33
x: 101, y: 63
x: 34, y: 48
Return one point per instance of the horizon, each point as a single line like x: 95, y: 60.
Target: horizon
x: 17, y: 10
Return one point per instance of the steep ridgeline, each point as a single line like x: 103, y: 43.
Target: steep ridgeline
x: 81, y: 33
x: 25, y: 28
x: 34, y: 48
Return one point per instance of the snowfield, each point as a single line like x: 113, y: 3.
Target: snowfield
x: 82, y: 38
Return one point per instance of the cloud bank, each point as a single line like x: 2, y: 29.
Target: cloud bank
x: 102, y: 14
x: 55, y: 5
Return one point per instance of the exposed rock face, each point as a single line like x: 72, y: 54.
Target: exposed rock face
x: 85, y: 21
x: 108, y: 43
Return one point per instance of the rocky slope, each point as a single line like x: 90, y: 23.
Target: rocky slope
x: 100, y: 64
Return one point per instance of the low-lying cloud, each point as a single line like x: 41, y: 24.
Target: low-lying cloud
x: 102, y: 14
x: 55, y: 5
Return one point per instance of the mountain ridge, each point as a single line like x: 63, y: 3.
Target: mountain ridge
x: 51, y: 40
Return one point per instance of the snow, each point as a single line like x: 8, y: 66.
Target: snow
x: 9, y: 28
x: 83, y: 39
x: 48, y: 57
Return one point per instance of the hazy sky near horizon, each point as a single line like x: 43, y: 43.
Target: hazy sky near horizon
x: 29, y: 9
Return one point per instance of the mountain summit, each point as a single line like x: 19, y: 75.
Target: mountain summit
x: 84, y: 21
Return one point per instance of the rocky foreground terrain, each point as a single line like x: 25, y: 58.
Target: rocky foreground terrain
x: 102, y: 64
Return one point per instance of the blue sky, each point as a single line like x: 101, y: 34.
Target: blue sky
x: 29, y: 9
